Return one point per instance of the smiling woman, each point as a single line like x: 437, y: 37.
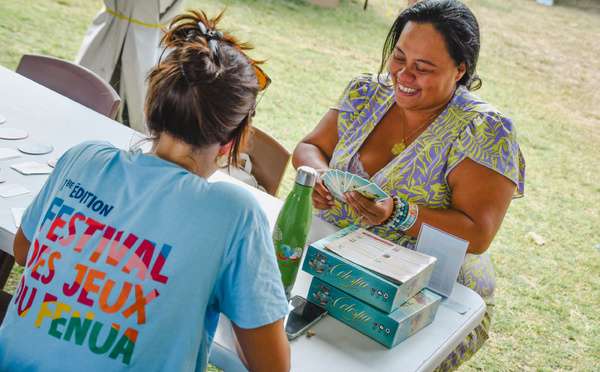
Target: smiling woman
x: 447, y: 158
x: 425, y: 78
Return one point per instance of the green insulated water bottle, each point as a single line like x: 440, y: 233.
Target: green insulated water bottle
x: 291, y: 228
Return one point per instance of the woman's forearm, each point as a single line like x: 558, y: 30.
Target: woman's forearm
x: 478, y: 233
x: 316, y: 149
x: 310, y: 155
x: 480, y: 199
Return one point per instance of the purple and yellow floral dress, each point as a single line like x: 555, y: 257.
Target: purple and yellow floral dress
x: 468, y: 127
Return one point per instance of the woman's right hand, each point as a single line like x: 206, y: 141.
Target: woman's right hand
x: 322, y: 198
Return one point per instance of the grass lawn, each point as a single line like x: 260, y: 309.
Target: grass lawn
x: 539, y: 65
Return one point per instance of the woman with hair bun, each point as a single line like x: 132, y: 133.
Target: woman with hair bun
x: 130, y: 257
x: 416, y: 130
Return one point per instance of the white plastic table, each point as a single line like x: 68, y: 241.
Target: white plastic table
x: 54, y: 119
x: 338, y: 347
x: 50, y: 118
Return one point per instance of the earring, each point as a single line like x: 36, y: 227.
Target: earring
x: 220, y: 163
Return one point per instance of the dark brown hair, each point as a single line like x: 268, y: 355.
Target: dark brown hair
x: 458, y: 26
x: 199, y: 96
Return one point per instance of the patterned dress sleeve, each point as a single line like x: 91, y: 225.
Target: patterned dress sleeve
x: 490, y: 139
x: 356, y: 94
x: 353, y: 107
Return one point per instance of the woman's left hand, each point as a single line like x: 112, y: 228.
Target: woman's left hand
x: 369, y: 212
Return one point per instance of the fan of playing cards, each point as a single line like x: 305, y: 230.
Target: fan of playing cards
x: 339, y: 182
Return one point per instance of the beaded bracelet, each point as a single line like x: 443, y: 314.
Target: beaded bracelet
x: 411, y: 216
x: 404, y: 215
x: 398, y: 213
x: 394, y: 211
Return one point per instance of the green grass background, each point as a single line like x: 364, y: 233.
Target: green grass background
x: 539, y: 65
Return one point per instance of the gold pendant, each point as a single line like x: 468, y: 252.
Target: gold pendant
x: 398, y: 148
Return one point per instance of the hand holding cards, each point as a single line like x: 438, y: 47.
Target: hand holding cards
x: 339, y: 182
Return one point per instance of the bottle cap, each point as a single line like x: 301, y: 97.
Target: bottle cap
x: 306, y: 176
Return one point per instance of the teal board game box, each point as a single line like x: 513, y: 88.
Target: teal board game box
x: 387, y: 329
x: 362, y: 283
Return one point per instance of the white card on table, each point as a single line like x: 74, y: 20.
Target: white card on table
x: 12, y: 190
x: 8, y: 153
x: 449, y: 251
x: 31, y: 167
x: 17, y: 215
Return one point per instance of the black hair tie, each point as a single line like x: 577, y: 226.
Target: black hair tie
x: 212, y: 36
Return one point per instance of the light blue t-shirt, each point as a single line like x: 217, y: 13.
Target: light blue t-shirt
x: 132, y: 260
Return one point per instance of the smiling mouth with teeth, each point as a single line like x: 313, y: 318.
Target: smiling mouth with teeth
x: 406, y: 90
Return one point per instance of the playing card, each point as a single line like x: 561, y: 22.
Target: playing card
x: 326, y: 177
x: 356, y: 182
x: 341, y: 180
x: 372, y: 192
x: 333, y: 183
x: 12, y: 190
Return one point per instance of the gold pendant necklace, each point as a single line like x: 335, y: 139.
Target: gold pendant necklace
x: 401, y: 146
x: 398, y: 148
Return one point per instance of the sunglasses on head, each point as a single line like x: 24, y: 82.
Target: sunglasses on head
x: 263, y: 81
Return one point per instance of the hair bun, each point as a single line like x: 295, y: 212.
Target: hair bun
x: 202, y: 94
x: 199, y: 67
